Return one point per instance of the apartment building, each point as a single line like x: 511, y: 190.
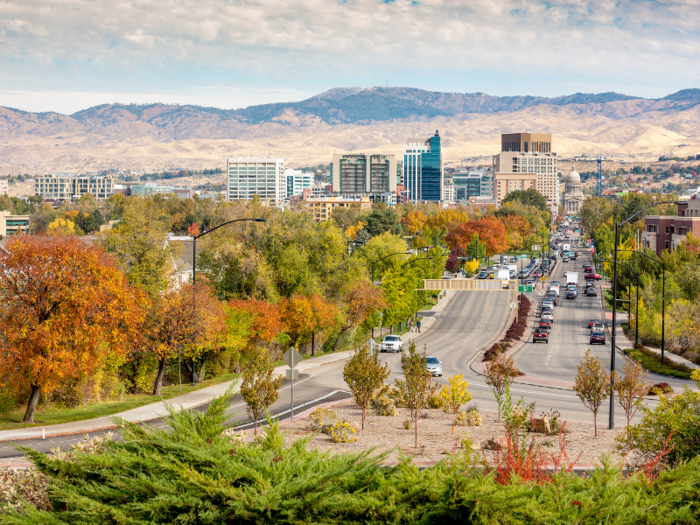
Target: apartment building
x: 321, y: 208
x: 11, y: 224
x: 362, y: 174
x: 251, y: 176
x: 423, y: 171
x: 4, y: 187
x: 448, y: 192
x: 298, y: 181
x: 664, y: 232
x: 529, y: 156
x: 475, y: 183
x: 70, y: 187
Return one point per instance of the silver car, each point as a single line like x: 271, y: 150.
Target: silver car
x: 434, y: 366
x: 392, y: 343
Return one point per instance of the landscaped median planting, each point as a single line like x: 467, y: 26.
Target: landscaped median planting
x: 652, y: 362
x: 516, y: 330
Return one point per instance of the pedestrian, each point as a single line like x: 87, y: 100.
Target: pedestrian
x: 410, y: 325
x: 418, y: 326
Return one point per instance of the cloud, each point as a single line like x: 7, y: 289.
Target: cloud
x: 283, y: 41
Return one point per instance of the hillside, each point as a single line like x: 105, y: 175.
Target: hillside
x: 341, y: 120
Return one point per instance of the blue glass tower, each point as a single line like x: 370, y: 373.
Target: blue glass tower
x: 422, y: 169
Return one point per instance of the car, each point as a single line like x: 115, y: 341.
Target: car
x: 565, y: 259
x: 597, y: 338
x: 597, y: 327
x: 554, y: 288
x: 587, y: 269
x: 434, y: 366
x: 392, y: 343
x: 596, y: 277
x: 483, y: 275
x: 544, y: 323
x: 538, y: 273
x: 513, y: 260
x: 590, y: 292
x: 592, y: 322
x: 552, y: 298
x: 571, y: 294
x: 547, y: 316
x: 540, y: 334
x: 529, y: 281
x: 523, y: 274
x: 493, y: 267
x: 555, y: 283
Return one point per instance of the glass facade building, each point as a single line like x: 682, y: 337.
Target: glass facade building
x: 251, y: 176
x: 423, y: 173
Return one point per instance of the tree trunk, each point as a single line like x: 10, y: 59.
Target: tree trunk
x: 255, y: 425
x: 364, y: 409
x: 415, y: 424
x: 595, y: 424
x: 31, y: 406
x: 336, y: 345
x: 159, y: 378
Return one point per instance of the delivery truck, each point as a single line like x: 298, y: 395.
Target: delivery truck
x: 572, y: 278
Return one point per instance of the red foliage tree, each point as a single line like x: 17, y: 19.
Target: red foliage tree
x: 489, y: 229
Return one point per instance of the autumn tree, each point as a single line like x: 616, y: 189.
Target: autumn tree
x: 631, y: 388
x: 263, y: 320
x: 455, y: 395
x: 259, y: 389
x: 499, y: 373
x: 414, y: 221
x: 65, y: 308
x: 417, y: 385
x: 445, y: 220
x: 357, y: 302
x: 489, y: 229
x: 302, y: 315
x: 61, y: 226
x: 364, y: 373
x: 592, y: 385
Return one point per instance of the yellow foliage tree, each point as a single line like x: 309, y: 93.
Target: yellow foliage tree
x: 470, y: 267
x: 61, y: 227
x: 352, y: 230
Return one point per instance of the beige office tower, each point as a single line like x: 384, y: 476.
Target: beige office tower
x: 361, y: 174
x: 526, y: 161
x: 251, y: 176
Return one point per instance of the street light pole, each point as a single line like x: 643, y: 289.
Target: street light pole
x: 194, y: 275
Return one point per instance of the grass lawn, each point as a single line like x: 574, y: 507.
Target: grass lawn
x: 55, y: 416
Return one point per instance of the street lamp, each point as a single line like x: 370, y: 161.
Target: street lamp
x: 386, y: 257
x: 194, y: 272
x: 636, y: 315
x: 611, y: 417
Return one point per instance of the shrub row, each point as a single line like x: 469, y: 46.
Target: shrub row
x: 515, y: 331
x: 652, y: 362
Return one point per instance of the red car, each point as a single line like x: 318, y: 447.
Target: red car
x: 545, y: 323
x: 588, y: 269
x: 597, y: 338
x: 592, y: 322
x: 596, y: 276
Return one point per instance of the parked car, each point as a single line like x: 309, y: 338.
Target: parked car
x: 540, y: 334
x: 434, y: 366
x: 597, y: 338
x: 544, y: 323
x: 392, y: 343
x: 592, y: 322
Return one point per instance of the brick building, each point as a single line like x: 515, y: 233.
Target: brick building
x: 663, y: 232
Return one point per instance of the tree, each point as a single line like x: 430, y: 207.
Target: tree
x: 364, y: 373
x: 414, y: 221
x: 61, y: 227
x: 592, y: 385
x: 631, y: 388
x: 455, y: 395
x: 499, y: 374
x: 380, y: 221
x: 65, y: 309
x: 530, y: 197
x: 262, y: 318
x: 489, y: 229
x: 302, y: 315
x: 417, y: 386
x: 358, y: 301
x: 259, y: 389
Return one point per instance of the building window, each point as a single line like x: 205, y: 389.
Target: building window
x: 652, y: 228
x: 681, y: 231
x: 668, y: 244
x: 667, y: 231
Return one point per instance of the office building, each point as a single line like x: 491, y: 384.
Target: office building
x: 663, y: 232
x: 151, y: 188
x: 477, y: 183
x: 423, y: 173
x: 361, y: 174
x: 321, y: 208
x: 69, y: 187
x: 11, y: 224
x: 251, y: 176
x: 448, y: 192
x: 526, y: 162
x: 4, y: 187
x: 298, y: 181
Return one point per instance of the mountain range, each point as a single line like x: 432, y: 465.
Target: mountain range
x: 341, y: 119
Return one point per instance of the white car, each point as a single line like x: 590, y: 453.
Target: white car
x: 554, y: 288
x: 392, y: 343
x: 547, y: 317
x: 597, y: 327
x: 434, y: 366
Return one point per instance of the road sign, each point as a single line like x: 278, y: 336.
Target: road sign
x: 522, y: 256
x: 542, y: 278
x: 535, y: 247
x: 512, y: 306
x: 524, y: 288
x: 292, y: 357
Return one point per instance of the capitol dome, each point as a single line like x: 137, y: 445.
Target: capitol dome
x: 573, y: 177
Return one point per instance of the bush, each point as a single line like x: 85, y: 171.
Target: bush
x: 652, y: 362
x: 468, y: 419
x: 342, y: 432
x: 321, y: 417
x: 384, y: 406
x: 665, y: 388
x: 436, y: 401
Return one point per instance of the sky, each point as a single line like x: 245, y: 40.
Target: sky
x: 67, y: 55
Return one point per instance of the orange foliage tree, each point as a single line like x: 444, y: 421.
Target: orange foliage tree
x: 302, y: 315
x: 414, y: 221
x: 358, y: 302
x: 65, y: 308
x: 446, y: 220
x: 186, y: 317
x: 264, y: 319
x: 514, y: 226
x: 489, y: 229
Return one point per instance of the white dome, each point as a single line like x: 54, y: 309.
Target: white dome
x: 573, y: 177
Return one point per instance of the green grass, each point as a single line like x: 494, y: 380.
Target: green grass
x: 653, y: 365
x: 608, y: 303
x: 55, y: 416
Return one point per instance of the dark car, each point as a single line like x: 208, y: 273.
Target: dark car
x: 540, y: 335
x: 597, y: 338
x: 513, y: 260
x: 529, y: 281
x: 591, y: 292
x: 571, y: 294
x: 545, y: 323
x: 588, y: 269
x: 551, y: 297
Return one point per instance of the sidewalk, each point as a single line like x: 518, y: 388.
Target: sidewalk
x: 623, y: 343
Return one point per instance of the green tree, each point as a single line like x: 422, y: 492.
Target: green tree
x: 455, y: 395
x: 364, y: 374
x: 596, y: 211
x: 380, y: 221
x: 529, y: 197
x: 259, y: 389
x: 592, y: 385
x: 499, y: 373
x: 417, y: 385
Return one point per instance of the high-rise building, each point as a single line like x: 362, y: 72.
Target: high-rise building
x: 298, y: 181
x: 4, y: 187
x: 69, y: 187
x: 251, y: 176
x: 526, y: 162
x: 477, y: 183
x: 423, y: 173
x: 361, y: 174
